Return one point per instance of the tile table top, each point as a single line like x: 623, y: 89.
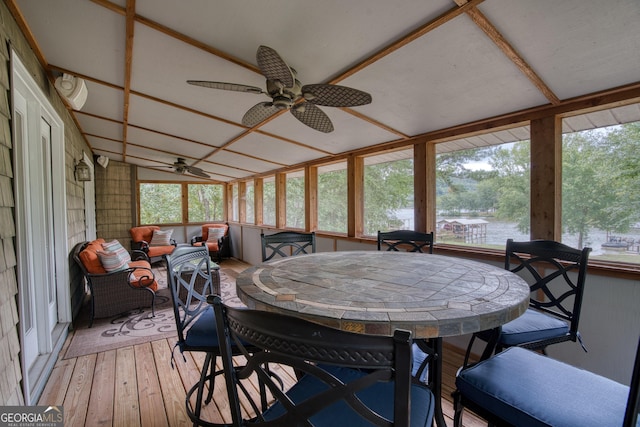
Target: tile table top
x: 376, y: 292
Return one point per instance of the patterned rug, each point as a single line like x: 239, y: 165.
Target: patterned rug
x: 137, y: 327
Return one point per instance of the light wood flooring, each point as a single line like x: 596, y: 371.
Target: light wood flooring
x: 137, y: 386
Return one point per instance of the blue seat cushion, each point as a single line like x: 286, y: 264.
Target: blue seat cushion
x: 419, y: 358
x: 378, y: 396
x: 528, y: 389
x: 533, y: 325
x: 202, y: 332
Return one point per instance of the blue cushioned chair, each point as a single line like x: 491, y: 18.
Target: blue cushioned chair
x: 557, y: 274
x: 519, y: 387
x: 344, y: 378
x: 191, y: 278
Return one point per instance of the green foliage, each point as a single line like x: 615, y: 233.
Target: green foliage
x: 160, y: 203
x: 206, y: 202
x: 295, y: 202
x: 387, y: 188
x: 332, y: 201
x: 600, y: 178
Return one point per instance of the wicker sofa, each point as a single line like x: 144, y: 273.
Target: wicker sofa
x: 119, y: 291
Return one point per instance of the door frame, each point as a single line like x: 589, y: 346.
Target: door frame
x: 39, y: 107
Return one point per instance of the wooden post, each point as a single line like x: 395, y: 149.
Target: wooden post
x: 355, y: 196
x: 424, y: 182
x: 546, y: 178
x: 258, y: 198
x: 281, y: 200
x: 311, y: 198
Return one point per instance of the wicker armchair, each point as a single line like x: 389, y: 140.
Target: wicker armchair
x: 118, y: 291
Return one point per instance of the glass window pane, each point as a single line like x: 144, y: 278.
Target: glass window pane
x: 388, y: 192
x: 234, y: 202
x: 332, y: 197
x: 600, y: 197
x: 295, y: 200
x: 160, y: 203
x: 269, y: 201
x: 249, y: 201
x: 206, y: 202
x: 482, y: 195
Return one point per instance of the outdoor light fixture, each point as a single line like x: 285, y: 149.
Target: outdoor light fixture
x: 83, y: 173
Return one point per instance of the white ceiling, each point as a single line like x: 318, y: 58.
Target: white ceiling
x: 422, y: 77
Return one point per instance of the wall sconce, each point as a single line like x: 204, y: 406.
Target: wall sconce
x: 83, y: 173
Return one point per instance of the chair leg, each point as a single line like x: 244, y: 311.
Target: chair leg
x: 212, y: 380
x: 201, y: 383
x: 457, y: 409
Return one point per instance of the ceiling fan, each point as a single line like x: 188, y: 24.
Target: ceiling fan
x: 287, y: 92
x: 181, y: 167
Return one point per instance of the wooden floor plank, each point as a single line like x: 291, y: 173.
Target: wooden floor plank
x: 152, y: 411
x: 173, y: 391
x: 58, y: 383
x: 76, y: 400
x: 100, y: 412
x: 126, y: 406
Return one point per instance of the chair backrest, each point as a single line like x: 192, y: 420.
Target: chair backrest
x: 411, y: 241
x: 633, y: 403
x: 317, y: 354
x: 142, y: 233
x: 206, y: 227
x: 551, y: 266
x: 287, y: 243
x: 190, y: 281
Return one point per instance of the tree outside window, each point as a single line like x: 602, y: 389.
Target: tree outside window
x: 332, y: 197
x: 295, y: 200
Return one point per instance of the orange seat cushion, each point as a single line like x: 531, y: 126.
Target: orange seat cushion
x: 155, y: 251
x: 142, y: 277
x: 211, y: 246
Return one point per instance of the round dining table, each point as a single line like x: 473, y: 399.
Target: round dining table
x: 375, y: 292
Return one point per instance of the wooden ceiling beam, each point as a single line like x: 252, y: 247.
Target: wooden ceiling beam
x: 492, y: 32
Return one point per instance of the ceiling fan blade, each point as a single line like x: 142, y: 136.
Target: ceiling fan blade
x: 335, y: 95
x: 259, y: 113
x: 312, y: 116
x: 226, y: 86
x: 273, y: 66
x: 197, y: 171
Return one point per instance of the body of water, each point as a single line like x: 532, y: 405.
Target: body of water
x: 499, y: 231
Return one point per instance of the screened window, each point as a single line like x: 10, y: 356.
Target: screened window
x: 332, y: 197
x: 206, y: 202
x: 388, y: 192
x: 269, y: 201
x: 162, y: 203
x: 482, y: 195
x: 249, y: 203
x: 234, y: 202
x: 295, y: 200
x: 600, y: 198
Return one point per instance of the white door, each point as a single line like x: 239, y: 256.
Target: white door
x: 47, y: 237
x: 41, y: 229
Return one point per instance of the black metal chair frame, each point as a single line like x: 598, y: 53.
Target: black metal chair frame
x: 295, y: 242
x: 565, y: 303
x: 306, y: 346
x: 630, y: 416
x: 190, y: 279
x: 414, y: 241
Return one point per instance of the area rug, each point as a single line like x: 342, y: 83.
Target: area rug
x: 138, y: 326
